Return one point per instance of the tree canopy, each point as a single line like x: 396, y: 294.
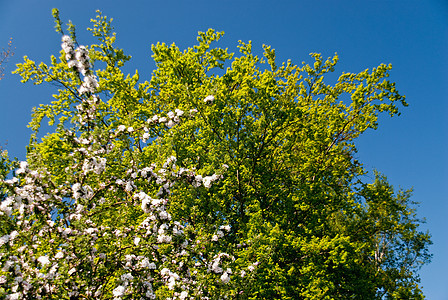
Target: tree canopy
x: 224, y: 175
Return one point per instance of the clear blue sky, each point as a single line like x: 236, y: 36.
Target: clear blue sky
x: 412, y: 150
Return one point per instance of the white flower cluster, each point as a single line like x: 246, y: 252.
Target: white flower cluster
x: 8, y: 238
x: 219, y: 234
x: 215, y: 267
x: 84, y: 191
x: 23, y: 168
x: 250, y: 268
x: 89, y: 85
x: 170, y: 277
x: 209, y: 99
x: 7, y: 206
x: 27, y: 197
x: 68, y: 47
x: 225, y: 277
x: 76, y: 58
x: 206, y: 181
x: 44, y: 260
x: 171, y: 119
x: 193, y: 112
x: 87, y: 108
x: 94, y: 164
x: 79, y: 60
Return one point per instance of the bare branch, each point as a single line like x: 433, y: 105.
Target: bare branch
x: 5, y: 54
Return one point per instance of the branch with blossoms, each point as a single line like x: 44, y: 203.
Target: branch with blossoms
x: 99, y: 226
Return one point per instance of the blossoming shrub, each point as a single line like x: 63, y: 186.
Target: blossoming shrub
x: 89, y: 210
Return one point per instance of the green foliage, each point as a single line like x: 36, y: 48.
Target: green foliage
x: 293, y: 192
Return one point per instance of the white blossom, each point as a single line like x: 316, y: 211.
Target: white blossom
x: 225, y: 227
x: 207, y: 181
x: 179, y: 112
x: 4, y: 239
x: 129, y: 186
x: 225, y: 278
x: 5, y: 206
x: 170, y: 123
x: 14, y: 296
x: 215, y: 266
x: 67, y: 39
x: 193, y: 112
x: 43, y: 260
x: 127, y: 277
x: 119, y: 291
x: 89, y: 85
x: 162, y: 238
x: 23, y: 167
x: 72, y: 64
x: 197, y: 181
x: 164, y: 215
x: 209, y: 99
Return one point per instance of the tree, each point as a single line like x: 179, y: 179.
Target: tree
x: 205, y: 182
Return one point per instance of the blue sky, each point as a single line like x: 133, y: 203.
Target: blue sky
x: 411, y: 150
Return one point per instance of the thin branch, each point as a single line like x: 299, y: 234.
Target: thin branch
x: 4, y: 57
